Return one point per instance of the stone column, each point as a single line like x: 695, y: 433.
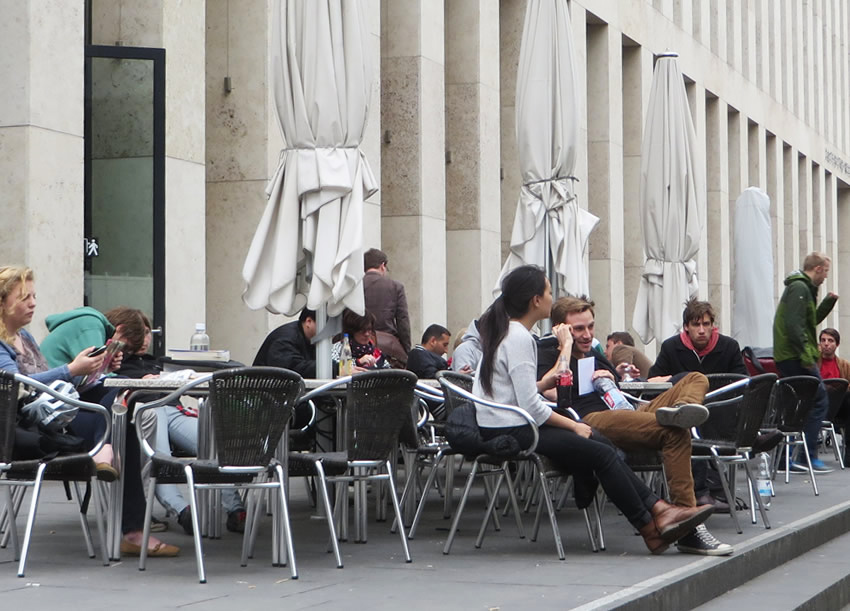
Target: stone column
x: 605, y: 171
x: 791, y: 228
x: 41, y: 148
x: 701, y: 14
x: 776, y: 191
x: 414, y: 154
x: 804, y: 197
x: 757, y: 156
x: 718, y: 28
x: 842, y: 281
x: 717, y: 202
x: 696, y: 101
x: 637, y: 83
x: 243, y: 142
x: 734, y: 24
x: 819, y: 208
x: 472, y: 168
x: 738, y: 181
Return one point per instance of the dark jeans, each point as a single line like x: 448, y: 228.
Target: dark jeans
x: 820, y: 408
x: 574, y: 454
x: 90, y: 426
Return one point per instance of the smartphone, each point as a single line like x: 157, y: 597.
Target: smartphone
x: 98, y: 351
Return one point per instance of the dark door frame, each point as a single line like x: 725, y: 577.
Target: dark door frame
x: 157, y: 56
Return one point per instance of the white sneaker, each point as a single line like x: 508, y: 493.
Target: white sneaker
x: 682, y: 416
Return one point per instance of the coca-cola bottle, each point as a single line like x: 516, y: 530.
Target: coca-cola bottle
x: 564, y: 383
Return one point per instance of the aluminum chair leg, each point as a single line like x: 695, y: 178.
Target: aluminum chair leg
x: 730, y: 494
x: 490, y: 506
x: 459, y: 511
x: 488, y: 487
x: 805, y: 452
x: 84, y: 522
x: 553, y: 520
x: 590, y: 534
x: 754, y: 494
x: 450, y: 479
x: 98, y: 516
x: 252, y: 506
x: 597, y: 510
x: 285, y: 523
x: 397, y: 508
x: 432, y: 476
x: 513, y: 500
x: 11, y: 526
x: 323, y: 490
x: 36, y: 492
x: 193, y: 504
x: 146, y: 529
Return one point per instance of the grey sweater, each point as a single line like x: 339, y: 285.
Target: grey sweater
x: 514, y: 382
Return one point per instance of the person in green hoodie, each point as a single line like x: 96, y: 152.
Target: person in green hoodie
x: 795, y: 343
x: 78, y: 327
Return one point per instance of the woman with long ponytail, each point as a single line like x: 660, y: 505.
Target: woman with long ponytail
x: 507, y: 374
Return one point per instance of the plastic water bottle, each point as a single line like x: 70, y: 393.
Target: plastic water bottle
x: 763, y: 483
x: 564, y: 383
x: 200, y: 340
x: 345, y: 359
x: 607, y: 389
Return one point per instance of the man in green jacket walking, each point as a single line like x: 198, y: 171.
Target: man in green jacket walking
x: 795, y: 344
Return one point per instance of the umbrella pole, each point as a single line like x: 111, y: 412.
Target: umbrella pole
x: 323, y: 348
x: 546, y: 324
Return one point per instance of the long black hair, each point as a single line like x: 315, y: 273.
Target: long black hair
x: 518, y: 288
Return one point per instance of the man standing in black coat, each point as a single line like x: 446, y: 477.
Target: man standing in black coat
x: 699, y: 347
x: 289, y: 346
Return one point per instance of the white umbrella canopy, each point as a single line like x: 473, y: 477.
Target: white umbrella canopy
x: 752, y: 313
x: 550, y: 228
x: 322, y: 82
x: 672, y: 193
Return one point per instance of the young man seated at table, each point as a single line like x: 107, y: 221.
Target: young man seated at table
x: 654, y: 426
x: 426, y: 359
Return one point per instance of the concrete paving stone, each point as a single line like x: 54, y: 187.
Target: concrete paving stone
x: 507, y: 573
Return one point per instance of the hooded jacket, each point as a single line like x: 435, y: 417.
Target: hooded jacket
x: 796, y: 321
x: 469, y: 350
x: 72, y: 332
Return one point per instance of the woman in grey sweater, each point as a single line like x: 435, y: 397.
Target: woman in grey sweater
x: 507, y: 374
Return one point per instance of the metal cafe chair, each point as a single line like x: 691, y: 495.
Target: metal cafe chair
x: 73, y: 468
x: 250, y: 409
x: 792, y: 399
x: 728, y: 436
x: 836, y: 390
x: 503, y: 474
x: 377, y: 405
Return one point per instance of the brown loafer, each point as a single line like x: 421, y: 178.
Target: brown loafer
x: 161, y: 549
x: 674, y: 521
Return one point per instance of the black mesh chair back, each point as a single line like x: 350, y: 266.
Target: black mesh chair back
x: 735, y: 422
x: 717, y: 381
x: 8, y: 415
x: 453, y: 400
x: 792, y: 399
x: 251, y: 407
x: 378, y: 405
x: 836, y: 390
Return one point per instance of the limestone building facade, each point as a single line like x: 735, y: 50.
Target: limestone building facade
x: 768, y: 83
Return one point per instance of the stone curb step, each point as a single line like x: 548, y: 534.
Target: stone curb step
x: 709, y: 578
x: 813, y: 581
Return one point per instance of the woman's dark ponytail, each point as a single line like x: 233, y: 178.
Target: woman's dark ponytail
x: 518, y: 288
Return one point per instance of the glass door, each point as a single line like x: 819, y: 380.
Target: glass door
x: 125, y: 182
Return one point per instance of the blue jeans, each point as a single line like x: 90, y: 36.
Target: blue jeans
x: 174, y: 427
x: 820, y: 408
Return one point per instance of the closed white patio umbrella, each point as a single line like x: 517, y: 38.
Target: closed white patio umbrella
x: 753, y: 309
x: 550, y: 228
x: 307, y: 249
x: 672, y: 193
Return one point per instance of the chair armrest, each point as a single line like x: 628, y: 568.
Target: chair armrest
x: 573, y: 413
x: 324, y: 388
x: 633, y: 399
x: 168, y: 399
x: 511, y: 408
x: 727, y: 389
x: 428, y: 392
x: 84, y: 405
